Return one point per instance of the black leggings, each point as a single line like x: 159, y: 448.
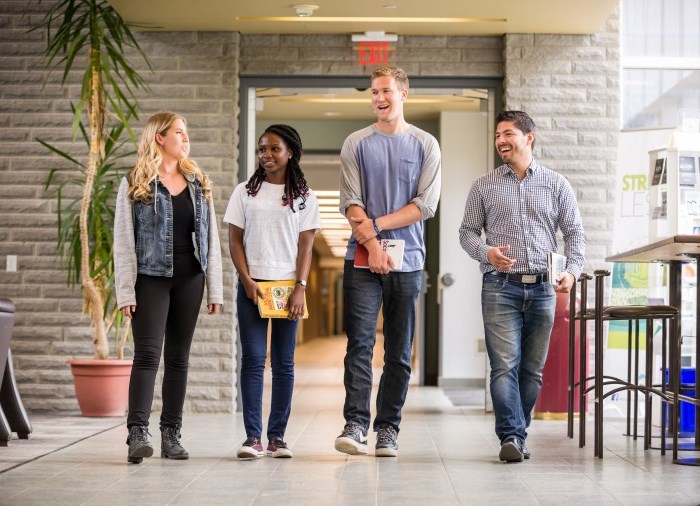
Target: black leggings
x: 167, y: 308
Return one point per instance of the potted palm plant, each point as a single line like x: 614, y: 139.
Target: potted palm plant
x: 91, y: 33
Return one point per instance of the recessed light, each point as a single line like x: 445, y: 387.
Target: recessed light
x: 331, y: 113
x: 390, y: 6
x: 304, y: 10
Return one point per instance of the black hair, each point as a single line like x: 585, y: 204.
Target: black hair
x: 295, y: 185
x: 520, y: 120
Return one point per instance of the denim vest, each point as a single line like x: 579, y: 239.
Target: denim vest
x: 153, y: 229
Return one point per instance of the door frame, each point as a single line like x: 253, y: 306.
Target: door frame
x: 430, y: 352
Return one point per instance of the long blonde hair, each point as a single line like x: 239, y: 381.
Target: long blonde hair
x: 150, y: 157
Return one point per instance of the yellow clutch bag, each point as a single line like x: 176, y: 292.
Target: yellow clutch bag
x: 273, y: 303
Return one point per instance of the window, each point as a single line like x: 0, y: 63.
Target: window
x: 660, y: 62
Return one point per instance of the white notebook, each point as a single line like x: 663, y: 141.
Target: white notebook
x: 556, y: 264
x: 394, y: 247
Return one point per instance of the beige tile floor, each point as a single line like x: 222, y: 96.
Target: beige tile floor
x: 447, y: 456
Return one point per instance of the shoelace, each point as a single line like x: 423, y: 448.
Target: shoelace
x: 352, y: 429
x: 278, y: 443
x: 386, y: 435
x: 140, y: 434
x: 172, y: 436
x: 251, y: 441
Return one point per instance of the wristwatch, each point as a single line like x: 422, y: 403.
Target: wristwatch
x: 301, y: 282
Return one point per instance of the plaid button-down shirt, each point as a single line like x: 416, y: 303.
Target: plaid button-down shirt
x: 525, y: 215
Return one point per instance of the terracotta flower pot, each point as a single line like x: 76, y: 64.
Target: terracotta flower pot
x: 101, y: 386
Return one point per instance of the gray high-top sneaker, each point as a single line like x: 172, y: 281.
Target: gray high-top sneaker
x: 139, y: 445
x: 170, y: 447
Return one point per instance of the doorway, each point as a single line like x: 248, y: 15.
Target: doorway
x: 325, y: 110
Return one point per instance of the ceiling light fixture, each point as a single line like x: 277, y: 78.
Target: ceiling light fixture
x: 438, y: 100
x: 378, y: 36
x: 304, y: 10
x: 327, y: 19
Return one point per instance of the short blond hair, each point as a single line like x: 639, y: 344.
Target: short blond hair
x: 397, y: 73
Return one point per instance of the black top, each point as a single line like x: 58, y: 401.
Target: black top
x: 183, y: 224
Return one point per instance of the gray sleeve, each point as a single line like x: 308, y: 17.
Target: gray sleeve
x: 350, y: 188
x: 125, y: 268
x: 215, y: 284
x: 430, y: 180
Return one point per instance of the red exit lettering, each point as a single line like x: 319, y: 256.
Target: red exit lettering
x: 373, y: 53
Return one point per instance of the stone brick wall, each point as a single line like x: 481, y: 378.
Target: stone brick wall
x: 314, y: 55
x: 195, y: 74
x: 569, y: 84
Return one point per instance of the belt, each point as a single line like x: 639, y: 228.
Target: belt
x: 522, y: 278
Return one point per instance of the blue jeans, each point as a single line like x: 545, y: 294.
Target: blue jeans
x: 365, y: 292
x: 253, y: 330
x: 518, y: 320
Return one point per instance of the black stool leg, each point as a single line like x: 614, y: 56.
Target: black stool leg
x: 636, y: 378
x: 664, y: 403
x: 572, y: 378
x: 629, y: 377
x: 598, y: 424
x: 675, y: 378
x: 583, y: 365
x: 648, y: 357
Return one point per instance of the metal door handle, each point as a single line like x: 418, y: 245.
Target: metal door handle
x: 448, y: 279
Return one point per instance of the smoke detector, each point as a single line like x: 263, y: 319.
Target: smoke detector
x: 304, y: 10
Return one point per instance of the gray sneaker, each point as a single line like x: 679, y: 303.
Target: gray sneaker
x: 353, y: 440
x: 386, y: 442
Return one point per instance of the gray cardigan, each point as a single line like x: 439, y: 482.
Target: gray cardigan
x: 125, y: 263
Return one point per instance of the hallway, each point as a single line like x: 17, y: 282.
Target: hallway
x: 448, y: 455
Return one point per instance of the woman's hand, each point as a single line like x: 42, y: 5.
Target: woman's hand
x: 128, y: 311
x: 295, y: 303
x: 214, y: 308
x: 252, y: 290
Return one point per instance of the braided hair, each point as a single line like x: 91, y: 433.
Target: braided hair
x: 295, y: 185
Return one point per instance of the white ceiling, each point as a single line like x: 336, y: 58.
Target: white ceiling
x: 448, y: 17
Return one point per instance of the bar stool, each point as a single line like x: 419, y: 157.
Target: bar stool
x: 582, y: 315
x: 575, y: 315
x: 648, y: 313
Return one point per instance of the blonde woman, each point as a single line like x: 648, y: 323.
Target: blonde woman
x: 166, y: 249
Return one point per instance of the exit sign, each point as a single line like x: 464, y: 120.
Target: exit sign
x: 374, y: 53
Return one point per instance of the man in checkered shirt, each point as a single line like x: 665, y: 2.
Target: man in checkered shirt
x: 519, y: 206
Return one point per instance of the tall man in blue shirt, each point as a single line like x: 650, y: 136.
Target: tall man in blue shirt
x: 389, y: 184
x: 519, y: 206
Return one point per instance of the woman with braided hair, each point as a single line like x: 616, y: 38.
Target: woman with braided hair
x: 272, y: 219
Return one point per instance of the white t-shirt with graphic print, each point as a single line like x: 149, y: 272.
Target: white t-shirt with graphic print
x: 270, y: 229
